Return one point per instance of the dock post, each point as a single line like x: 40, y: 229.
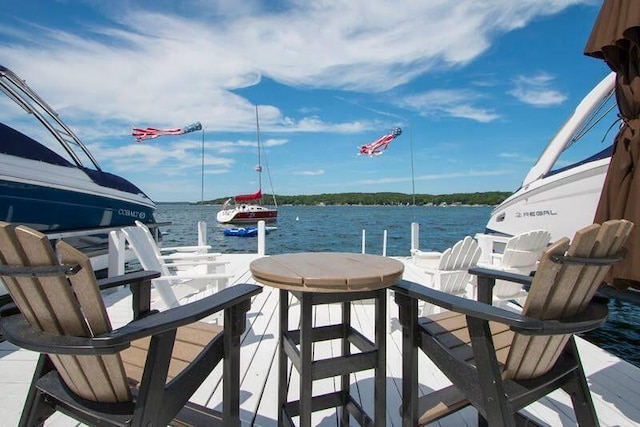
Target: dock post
x: 364, y: 233
x: 115, y: 266
x: 384, y: 243
x: 202, y: 233
x: 415, y: 236
x: 261, y: 238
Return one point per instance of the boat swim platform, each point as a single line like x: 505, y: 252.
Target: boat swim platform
x: 614, y: 383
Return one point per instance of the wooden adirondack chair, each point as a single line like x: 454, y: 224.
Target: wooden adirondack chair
x: 197, y: 275
x: 521, y: 255
x: 141, y: 374
x: 451, y: 274
x: 181, y: 252
x: 500, y: 361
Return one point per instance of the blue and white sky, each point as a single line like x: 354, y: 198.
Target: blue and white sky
x: 478, y: 88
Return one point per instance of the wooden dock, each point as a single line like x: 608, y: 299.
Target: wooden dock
x: 614, y: 383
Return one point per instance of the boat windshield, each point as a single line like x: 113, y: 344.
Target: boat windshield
x: 29, y: 119
x: 593, y: 138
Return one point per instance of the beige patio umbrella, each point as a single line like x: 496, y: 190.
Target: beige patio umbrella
x: 616, y: 39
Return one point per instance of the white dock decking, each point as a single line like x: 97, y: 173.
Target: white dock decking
x: 614, y: 383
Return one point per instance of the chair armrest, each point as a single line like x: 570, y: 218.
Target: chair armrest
x: 195, y: 276
x: 125, y: 279
x: 466, y: 306
x: 180, y: 263
x: 185, y: 248
x: 487, y: 279
x: 17, y: 331
x: 592, y: 317
x: 501, y: 274
x: 183, y: 314
x: 178, y: 256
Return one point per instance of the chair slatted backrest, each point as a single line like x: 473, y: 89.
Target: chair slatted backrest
x: 147, y: 252
x: 458, y: 259
x: 525, y: 249
x: 561, y: 290
x: 147, y: 234
x: 463, y: 254
x: 62, y: 306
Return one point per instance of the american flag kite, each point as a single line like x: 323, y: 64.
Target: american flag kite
x: 150, y: 133
x: 378, y: 146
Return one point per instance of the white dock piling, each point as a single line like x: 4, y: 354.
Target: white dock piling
x: 364, y: 233
x: 415, y: 236
x: 261, y: 238
x: 202, y: 233
x: 384, y: 243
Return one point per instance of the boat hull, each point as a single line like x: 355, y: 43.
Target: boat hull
x: 561, y: 203
x: 247, y: 215
x: 51, y: 209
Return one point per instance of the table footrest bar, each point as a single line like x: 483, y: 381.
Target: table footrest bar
x: 318, y: 403
x: 361, y: 342
x: 292, y: 352
x: 358, y: 413
x: 319, y: 298
x: 318, y: 333
x: 343, y: 365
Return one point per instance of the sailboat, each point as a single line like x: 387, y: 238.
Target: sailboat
x: 246, y: 208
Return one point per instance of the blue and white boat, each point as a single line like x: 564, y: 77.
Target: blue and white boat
x: 50, y: 181
x: 245, y: 231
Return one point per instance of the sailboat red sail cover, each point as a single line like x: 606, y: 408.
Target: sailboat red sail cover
x: 248, y: 197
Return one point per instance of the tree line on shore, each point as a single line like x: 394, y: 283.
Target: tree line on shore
x: 385, y: 198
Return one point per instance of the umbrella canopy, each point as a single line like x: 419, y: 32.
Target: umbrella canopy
x: 615, y: 38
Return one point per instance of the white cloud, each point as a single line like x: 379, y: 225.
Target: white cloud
x: 162, y: 67
x: 451, y: 103
x: 435, y: 177
x: 536, y: 90
x: 517, y: 156
x: 317, y: 172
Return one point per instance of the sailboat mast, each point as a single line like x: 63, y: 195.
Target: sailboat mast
x: 259, y: 167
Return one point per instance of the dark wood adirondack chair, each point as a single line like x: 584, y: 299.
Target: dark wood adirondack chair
x: 500, y: 361
x: 142, y: 374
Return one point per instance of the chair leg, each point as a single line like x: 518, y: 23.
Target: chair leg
x: 235, y: 324
x: 36, y: 410
x: 498, y: 411
x: 579, y: 391
x: 408, y: 315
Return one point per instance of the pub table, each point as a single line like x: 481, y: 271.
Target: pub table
x: 325, y: 278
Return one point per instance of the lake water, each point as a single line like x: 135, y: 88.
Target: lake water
x: 339, y: 229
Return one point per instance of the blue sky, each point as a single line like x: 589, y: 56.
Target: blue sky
x: 477, y: 87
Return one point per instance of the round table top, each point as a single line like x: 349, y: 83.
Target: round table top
x: 327, y: 271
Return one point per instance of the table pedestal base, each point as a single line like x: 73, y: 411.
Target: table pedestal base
x: 296, y: 345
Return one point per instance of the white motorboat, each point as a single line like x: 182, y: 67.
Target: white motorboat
x: 560, y: 195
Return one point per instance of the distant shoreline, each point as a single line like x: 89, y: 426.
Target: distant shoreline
x: 489, y: 198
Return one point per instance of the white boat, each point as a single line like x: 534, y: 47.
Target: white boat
x: 50, y: 181
x: 246, y: 208
x: 558, y: 197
